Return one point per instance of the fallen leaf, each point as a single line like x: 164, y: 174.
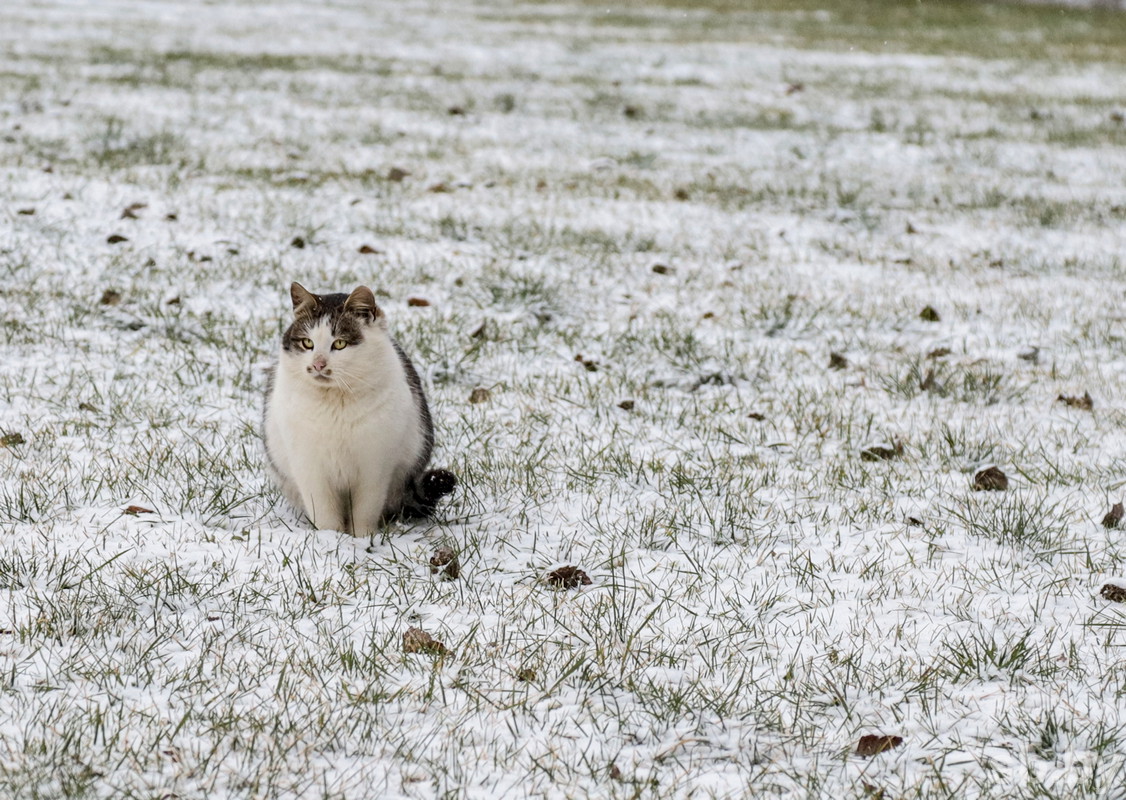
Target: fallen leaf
x: 396, y: 174
x: 915, y: 521
x: 588, y: 363
x: 116, y: 238
x: 298, y: 242
x: 134, y: 511
x: 631, y: 112
x: 1113, y: 593
x: 456, y: 111
x: 26, y: 212
x: 939, y: 352
x: 874, y: 744
x: 911, y: 229
x: 991, y: 480
x: 11, y: 439
x: 439, y: 188
x: 110, y: 297
x: 1032, y: 354
x: 479, y: 331
x: 87, y: 407
x: 626, y: 405
x: 1114, y: 516
x: 526, y: 674
x: 417, y: 302
x: 837, y: 361
x: 756, y: 416
x: 445, y: 564
x: 930, y: 314
x: 131, y: 210
x: 171, y: 217
x: 662, y: 269
x: 567, y: 578
x: 794, y: 88
x: 416, y: 640
x: 881, y: 452
x: 1084, y: 403
x: 368, y: 250
x: 682, y: 194
x: 479, y: 395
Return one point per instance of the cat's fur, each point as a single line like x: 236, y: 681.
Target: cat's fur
x: 347, y: 428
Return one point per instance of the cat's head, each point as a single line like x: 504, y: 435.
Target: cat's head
x: 325, y: 343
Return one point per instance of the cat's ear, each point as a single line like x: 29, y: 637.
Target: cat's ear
x: 361, y: 302
x: 304, y: 301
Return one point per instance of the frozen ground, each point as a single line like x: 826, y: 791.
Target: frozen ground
x: 687, y: 210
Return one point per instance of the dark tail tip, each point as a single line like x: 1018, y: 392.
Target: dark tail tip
x: 436, y: 484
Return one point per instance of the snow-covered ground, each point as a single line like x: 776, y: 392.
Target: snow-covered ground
x: 688, y: 254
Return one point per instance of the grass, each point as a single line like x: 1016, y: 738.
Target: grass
x: 644, y: 233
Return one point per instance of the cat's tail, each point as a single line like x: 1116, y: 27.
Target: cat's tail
x: 424, y: 492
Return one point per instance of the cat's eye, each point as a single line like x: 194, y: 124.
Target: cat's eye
x: 339, y: 344
x: 307, y: 344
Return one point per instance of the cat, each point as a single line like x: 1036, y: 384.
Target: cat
x: 347, y: 428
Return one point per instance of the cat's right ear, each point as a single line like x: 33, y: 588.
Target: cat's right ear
x: 304, y: 301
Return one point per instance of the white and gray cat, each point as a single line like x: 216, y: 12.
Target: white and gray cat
x: 348, y: 431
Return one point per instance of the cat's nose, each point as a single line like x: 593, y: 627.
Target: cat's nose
x: 319, y: 363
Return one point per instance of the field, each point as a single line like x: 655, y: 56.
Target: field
x: 724, y: 304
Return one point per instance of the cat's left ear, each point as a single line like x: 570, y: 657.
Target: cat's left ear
x: 361, y: 302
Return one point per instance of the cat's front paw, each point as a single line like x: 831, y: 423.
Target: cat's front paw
x: 437, y: 483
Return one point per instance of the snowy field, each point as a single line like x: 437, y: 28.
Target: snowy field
x: 724, y: 304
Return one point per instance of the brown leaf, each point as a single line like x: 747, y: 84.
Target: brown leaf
x: 116, y: 238
x: 915, y: 521
x: 588, y: 363
x: 794, y: 88
x: 1084, y: 403
x: 417, y: 302
x: 682, y: 194
x: 874, y: 744
x: 662, y: 269
x: 298, y: 242
x: 416, y: 640
x: 837, y: 361
x: 939, y: 352
x: 526, y: 674
x: 930, y: 314
x: 479, y: 395
x: 131, y: 210
x: 456, y: 111
x: 1114, y: 516
x: 631, y: 112
x: 1031, y: 354
x: 1113, y: 593
x: 134, y: 511
x: 368, y: 250
x: 626, y: 405
x: 879, y: 452
x: 26, y: 212
x: 171, y: 217
x: 396, y: 174
x: 756, y: 416
x: 480, y: 330
x: 991, y: 480
x: 110, y: 297
x: 11, y: 439
x: 444, y: 563
x: 567, y: 578
x: 439, y: 188
x: 911, y: 229
x: 616, y: 773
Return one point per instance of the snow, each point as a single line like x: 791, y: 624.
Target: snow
x: 761, y: 595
